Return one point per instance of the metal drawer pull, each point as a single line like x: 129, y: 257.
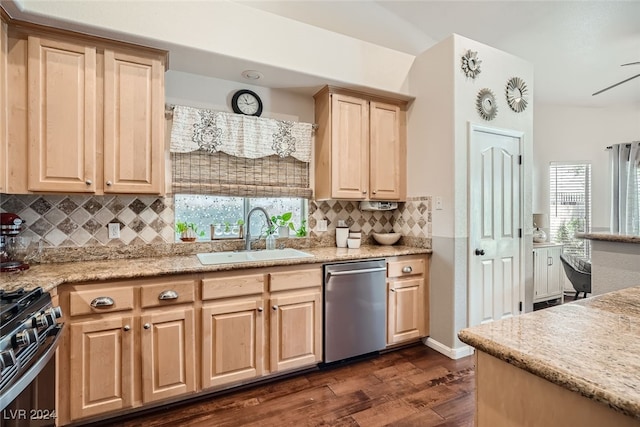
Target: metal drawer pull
x: 102, y: 302
x: 168, y: 295
x: 259, y: 309
x: 126, y: 327
x: 407, y: 269
x: 275, y: 307
x: 147, y: 326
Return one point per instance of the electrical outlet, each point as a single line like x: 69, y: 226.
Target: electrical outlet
x: 438, y: 203
x: 321, y: 225
x: 114, y: 230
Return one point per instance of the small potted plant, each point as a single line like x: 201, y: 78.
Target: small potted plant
x: 283, y: 223
x: 188, y: 231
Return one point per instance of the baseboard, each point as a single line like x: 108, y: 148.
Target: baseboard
x: 451, y: 353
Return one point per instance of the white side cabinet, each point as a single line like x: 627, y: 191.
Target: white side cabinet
x: 547, y: 272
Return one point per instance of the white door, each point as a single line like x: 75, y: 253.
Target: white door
x: 494, y: 223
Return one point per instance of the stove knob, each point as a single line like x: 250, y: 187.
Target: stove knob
x: 7, y: 359
x: 24, y: 338
x: 43, y: 320
x: 56, y: 312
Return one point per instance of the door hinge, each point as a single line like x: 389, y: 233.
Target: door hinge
x: 520, y: 159
x: 520, y: 306
x: 520, y: 233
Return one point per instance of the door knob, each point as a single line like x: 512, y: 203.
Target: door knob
x: 479, y: 252
x: 147, y: 326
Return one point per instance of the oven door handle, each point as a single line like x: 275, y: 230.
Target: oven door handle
x: 27, y: 378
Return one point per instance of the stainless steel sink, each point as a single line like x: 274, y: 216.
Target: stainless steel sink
x: 232, y: 257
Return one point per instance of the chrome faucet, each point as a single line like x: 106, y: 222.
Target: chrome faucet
x: 247, y: 237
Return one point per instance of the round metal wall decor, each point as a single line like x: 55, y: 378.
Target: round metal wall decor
x: 471, y: 64
x: 517, y: 94
x: 486, y: 104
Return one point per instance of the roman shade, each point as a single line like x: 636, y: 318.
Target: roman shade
x: 220, y: 153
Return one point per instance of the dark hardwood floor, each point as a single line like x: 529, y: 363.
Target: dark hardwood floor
x: 414, y: 386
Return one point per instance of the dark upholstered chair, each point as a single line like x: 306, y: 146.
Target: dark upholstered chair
x: 579, y: 273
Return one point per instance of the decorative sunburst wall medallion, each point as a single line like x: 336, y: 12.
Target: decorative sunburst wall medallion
x: 471, y: 64
x: 486, y: 104
x: 517, y: 94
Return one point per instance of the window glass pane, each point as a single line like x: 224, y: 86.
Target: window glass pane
x: 205, y: 210
x: 570, y: 203
x: 277, y: 206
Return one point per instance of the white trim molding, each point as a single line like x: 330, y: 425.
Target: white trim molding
x: 451, y: 353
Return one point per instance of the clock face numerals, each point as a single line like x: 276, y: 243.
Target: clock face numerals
x: 247, y: 103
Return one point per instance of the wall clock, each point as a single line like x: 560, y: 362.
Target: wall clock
x: 517, y: 94
x: 246, y: 102
x: 486, y: 104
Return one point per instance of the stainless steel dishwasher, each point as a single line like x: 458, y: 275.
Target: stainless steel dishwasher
x: 355, y: 309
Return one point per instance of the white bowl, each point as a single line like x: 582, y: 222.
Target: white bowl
x: 386, y: 238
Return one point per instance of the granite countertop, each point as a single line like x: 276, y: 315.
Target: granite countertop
x: 610, y: 237
x: 589, y: 346
x: 49, y: 276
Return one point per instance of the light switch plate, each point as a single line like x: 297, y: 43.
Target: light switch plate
x: 321, y: 225
x: 114, y: 230
x: 438, y: 203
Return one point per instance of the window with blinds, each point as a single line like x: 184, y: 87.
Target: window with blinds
x: 570, y: 206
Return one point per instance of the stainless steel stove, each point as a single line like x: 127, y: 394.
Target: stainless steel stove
x: 28, y: 341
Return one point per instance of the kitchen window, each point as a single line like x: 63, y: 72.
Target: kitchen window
x: 570, y: 205
x: 205, y: 210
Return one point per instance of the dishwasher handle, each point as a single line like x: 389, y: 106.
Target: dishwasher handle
x: 349, y: 272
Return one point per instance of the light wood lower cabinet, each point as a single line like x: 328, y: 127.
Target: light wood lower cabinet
x: 232, y: 341
x: 168, y: 354
x: 407, y: 299
x: 101, y: 366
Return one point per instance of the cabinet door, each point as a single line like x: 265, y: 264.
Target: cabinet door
x: 101, y: 374
x: 296, y: 330
x: 387, y: 171
x: 349, y: 147
x: 168, y: 354
x: 133, y: 124
x: 62, y: 116
x: 406, y: 310
x: 555, y: 285
x: 232, y: 341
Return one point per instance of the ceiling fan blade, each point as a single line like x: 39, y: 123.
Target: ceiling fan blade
x: 617, y: 84
x: 630, y: 63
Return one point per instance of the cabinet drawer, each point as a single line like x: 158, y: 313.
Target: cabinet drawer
x: 405, y: 268
x: 103, y: 300
x: 224, y: 287
x: 167, y: 293
x: 298, y: 279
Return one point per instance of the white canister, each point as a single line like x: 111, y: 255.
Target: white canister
x: 342, y: 234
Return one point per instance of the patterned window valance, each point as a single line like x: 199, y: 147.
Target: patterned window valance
x: 238, y: 135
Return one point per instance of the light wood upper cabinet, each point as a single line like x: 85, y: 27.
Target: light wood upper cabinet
x: 360, y: 146
x: 101, y: 354
x: 85, y: 115
x: 133, y: 123
x: 62, y: 100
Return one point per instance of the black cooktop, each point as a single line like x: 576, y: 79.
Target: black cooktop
x: 16, y: 303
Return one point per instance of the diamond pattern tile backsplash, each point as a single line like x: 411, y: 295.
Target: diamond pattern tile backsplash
x: 81, y: 220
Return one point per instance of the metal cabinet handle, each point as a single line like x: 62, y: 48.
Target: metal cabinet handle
x: 88, y: 182
x: 374, y: 192
x: 275, y: 307
x: 392, y: 290
x: 364, y: 192
x: 259, y: 309
x: 549, y: 261
x: 126, y: 327
x: 147, y: 326
x: 167, y: 295
x: 109, y: 183
x: 407, y: 269
x: 102, y: 302
x: 479, y: 252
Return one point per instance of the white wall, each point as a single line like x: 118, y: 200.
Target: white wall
x: 566, y: 133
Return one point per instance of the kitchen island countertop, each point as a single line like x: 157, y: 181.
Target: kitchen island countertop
x: 49, y: 276
x: 589, y: 346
